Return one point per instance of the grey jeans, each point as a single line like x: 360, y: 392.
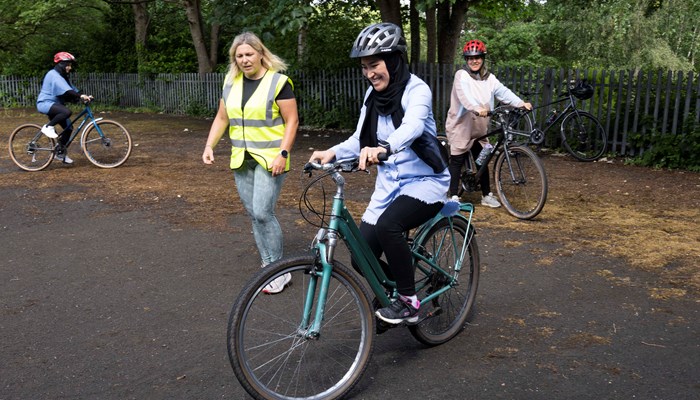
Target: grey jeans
x: 259, y: 192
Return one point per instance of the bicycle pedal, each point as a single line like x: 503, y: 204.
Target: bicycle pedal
x: 381, y: 326
x: 422, y: 317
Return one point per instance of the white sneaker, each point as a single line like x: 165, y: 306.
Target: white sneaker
x: 278, y: 284
x: 64, y: 158
x: 49, y: 131
x: 455, y: 198
x: 490, y: 201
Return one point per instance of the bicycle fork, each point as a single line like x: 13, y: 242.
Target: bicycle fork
x: 324, y: 245
x: 519, y: 178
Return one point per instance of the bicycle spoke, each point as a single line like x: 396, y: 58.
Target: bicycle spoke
x: 583, y: 136
x: 273, y: 355
x: 30, y: 149
x: 106, y: 144
x: 521, y: 182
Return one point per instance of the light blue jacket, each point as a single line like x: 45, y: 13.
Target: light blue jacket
x: 54, y: 85
x: 403, y: 173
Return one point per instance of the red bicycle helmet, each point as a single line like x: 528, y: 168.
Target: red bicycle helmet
x: 474, y: 48
x: 63, y: 56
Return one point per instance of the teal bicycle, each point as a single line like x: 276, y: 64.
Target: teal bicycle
x: 314, y: 340
x: 106, y: 143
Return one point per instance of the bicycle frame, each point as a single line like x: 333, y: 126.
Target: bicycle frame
x: 502, y: 142
x: 342, y: 225
x: 86, y: 115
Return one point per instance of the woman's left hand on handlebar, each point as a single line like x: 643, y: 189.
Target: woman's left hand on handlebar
x: 370, y: 156
x: 322, y: 157
x: 527, y: 106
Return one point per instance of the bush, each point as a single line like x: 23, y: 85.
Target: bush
x: 679, y: 151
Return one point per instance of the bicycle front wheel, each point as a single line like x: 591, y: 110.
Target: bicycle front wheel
x: 30, y: 149
x: 271, y: 350
x: 583, y: 136
x: 107, y: 144
x: 520, y: 125
x: 450, y: 310
x: 521, y: 182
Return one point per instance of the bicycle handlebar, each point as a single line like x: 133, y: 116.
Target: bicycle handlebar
x: 346, y: 165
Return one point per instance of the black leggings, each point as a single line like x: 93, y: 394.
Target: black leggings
x: 455, y: 168
x: 60, y: 115
x: 403, y: 214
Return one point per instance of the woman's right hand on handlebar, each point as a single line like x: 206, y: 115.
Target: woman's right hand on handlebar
x: 370, y: 156
x: 86, y: 98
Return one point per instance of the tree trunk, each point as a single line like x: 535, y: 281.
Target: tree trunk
x: 431, y: 36
x: 301, y: 44
x: 214, y: 45
x: 390, y: 11
x: 141, y: 22
x: 414, y: 21
x: 450, y: 20
x: 194, y: 19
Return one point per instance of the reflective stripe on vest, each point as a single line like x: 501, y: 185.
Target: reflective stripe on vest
x: 259, y: 127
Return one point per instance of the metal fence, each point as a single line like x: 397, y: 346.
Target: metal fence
x: 625, y: 102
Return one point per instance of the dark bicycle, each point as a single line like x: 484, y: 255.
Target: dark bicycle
x: 582, y: 135
x: 521, y: 181
x: 106, y: 143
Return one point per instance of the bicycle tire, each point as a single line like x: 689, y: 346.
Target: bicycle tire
x: 583, y: 136
x: 450, y: 310
x: 30, y: 149
x: 521, y: 182
x: 110, y: 150
x: 268, y: 352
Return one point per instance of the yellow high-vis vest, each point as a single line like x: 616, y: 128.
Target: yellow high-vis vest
x: 258, y: 128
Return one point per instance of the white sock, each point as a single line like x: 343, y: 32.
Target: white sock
x: 412, y: 300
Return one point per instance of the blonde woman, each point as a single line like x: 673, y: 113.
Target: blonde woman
x: 259, y: 109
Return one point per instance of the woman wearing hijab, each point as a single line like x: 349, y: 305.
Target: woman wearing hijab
x: 412, y: 184
x: 56, y: 91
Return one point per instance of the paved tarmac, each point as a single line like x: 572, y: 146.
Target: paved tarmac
x: 104, y: 304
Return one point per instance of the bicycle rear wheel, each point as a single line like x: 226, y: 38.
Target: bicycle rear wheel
x: 583, y: 136
x: 450, y: 310
x: 269, y: 350
x: 30, y: 149
x: 109, y: 149
x: 521, y: 182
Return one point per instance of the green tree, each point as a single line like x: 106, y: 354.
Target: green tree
x: 31, y: 32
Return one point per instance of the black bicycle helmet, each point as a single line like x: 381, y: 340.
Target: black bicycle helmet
x: 582, y: 90
x: 379, y: 38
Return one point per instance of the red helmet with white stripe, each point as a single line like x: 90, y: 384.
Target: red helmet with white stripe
x: 63, y: 56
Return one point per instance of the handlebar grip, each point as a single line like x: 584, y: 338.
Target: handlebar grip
x: 383, y: 156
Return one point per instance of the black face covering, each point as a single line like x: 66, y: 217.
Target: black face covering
x: 61, y: 68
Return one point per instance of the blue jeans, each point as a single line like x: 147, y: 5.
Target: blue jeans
x: 259, y: 192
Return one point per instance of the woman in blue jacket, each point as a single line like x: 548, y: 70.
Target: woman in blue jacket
x: 56, y: 90
x: 412, y: 185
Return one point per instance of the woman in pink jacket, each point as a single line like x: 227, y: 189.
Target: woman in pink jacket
x: 474, y: 91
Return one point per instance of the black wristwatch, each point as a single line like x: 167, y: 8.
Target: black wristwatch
x: 284, y: 153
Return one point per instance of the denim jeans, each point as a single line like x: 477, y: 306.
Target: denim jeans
x: 259, y: 191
